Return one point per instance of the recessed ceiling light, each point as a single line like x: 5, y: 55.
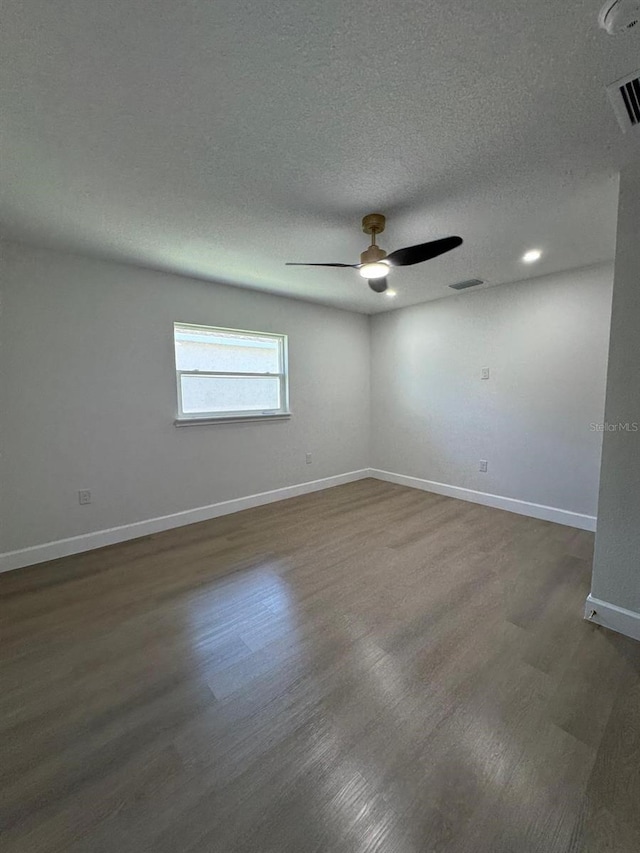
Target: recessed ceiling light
x: 390, y: 293
x: 532, y: 256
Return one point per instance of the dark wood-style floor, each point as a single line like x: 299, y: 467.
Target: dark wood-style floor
x: 369, y: 668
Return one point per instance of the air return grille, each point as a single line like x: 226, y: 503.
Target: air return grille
x: 625, y: 97
x: 463, y: 285
x: 631, y: 96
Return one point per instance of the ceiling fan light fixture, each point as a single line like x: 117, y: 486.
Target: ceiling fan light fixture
x: 375, y: 264
x: 378, y: 269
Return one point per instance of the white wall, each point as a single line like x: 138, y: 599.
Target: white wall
x: 616, y: 573
x: 88, y: 397
x: 545, y: 342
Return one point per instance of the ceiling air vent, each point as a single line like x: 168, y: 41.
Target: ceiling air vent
x: 463, y: 285
x: 624, y: 95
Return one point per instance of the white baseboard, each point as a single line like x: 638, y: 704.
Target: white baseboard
x: 99, y: 538
x: 546, y: 513
x: 611, y: 616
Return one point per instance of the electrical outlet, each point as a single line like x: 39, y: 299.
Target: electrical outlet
x: 84, y: 496
x: 483, y: 466
x: 308, y: 459
x: 485, y: 373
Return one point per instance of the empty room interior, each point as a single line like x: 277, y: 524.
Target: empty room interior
x: 320, y: 427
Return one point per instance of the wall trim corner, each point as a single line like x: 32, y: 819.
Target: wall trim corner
x: 611, y: 616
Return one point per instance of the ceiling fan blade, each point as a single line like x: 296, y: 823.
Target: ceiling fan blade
x: 423, y: 252
x: 350, y: 266
x: 378, y: 285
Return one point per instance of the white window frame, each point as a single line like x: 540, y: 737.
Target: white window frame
x: 190, y: 418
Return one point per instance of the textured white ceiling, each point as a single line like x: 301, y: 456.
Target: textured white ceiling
x: 221, y: 139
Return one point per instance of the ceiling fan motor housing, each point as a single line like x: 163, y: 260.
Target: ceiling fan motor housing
x: 372, y: 254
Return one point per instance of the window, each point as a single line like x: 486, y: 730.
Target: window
x: 227, y: 374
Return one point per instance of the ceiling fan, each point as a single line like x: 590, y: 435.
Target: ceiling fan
x: 375, y: 264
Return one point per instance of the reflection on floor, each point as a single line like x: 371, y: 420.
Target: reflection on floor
x: 369, y: 668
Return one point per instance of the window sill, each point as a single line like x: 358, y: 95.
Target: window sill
x: 248, y: 419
